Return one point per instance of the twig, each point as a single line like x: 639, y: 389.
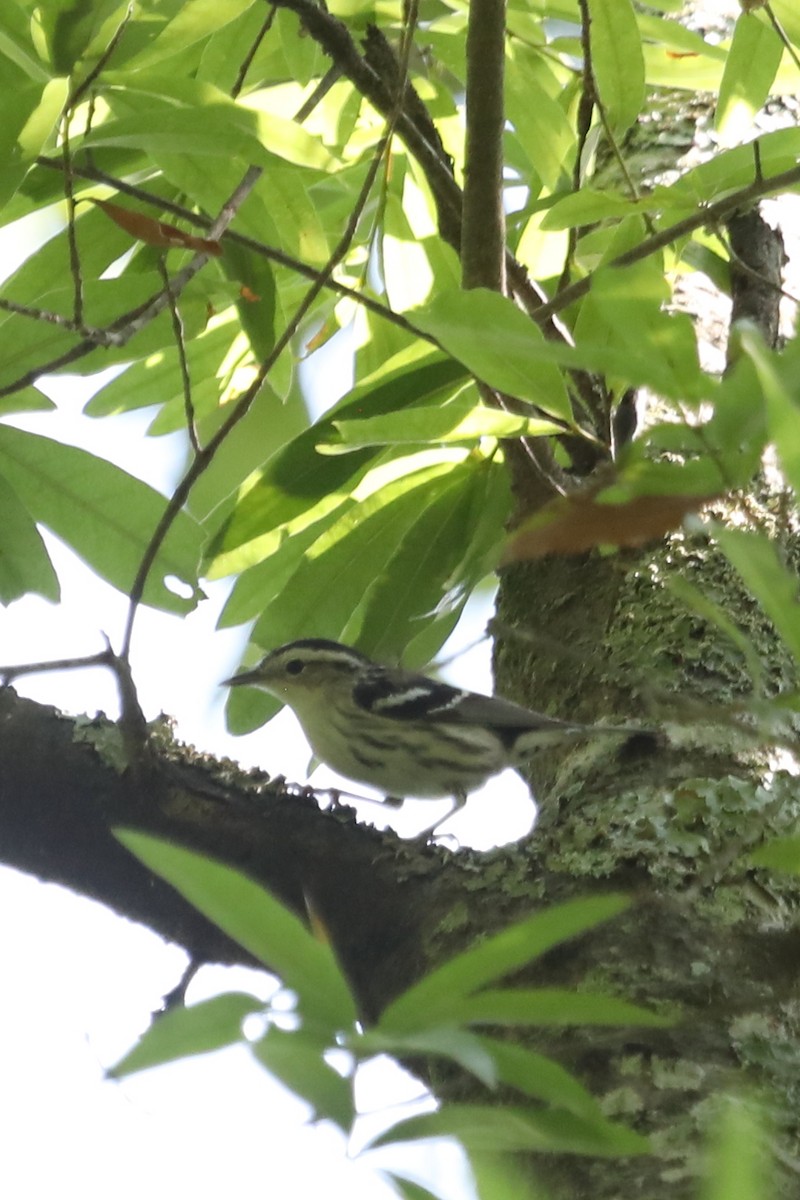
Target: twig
x: 72, y: 241
x: 707, y: 214
x: 583, y: 125
x: 259, y: 248
x: 251, y: 53
x: 82, y: 88
x: 121, y: 330
x: 206, y: 454
x: 177, y: 329
x: 69, y: 109
x: 319, y: 93
x: 17, y: 670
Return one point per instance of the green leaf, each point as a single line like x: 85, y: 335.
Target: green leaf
x: 739, y: 1165
x: 774, y: 586
x: 617, y: 61
x: 539, y: 1077
x: 256, y: 305
x: 16, y: 45
x: 338, y: 572
x: 481, y: 1127
x: 24, y: 562
x: 777, y: 379
x: 551, y: 1006
x: 297, y: 476
x: 258, y: 922
x: 436, y: 996
x: 499, y: 344
x: 458, y: 1045
x: 539, y: 122
x: 296, y: 1058
x: 409, y: 1189
x: 224, y: 130
x: 156, y: 379
x: 753, y: 60
x: 432, y: 564
x: 590, y: 205
x: 183, y: 1032
x: 103, y: 513
x: 460, y: 420
x: 28, y: 117
x: 782, y: 854
x: 190, y: 24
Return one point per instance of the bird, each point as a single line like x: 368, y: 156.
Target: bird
x: 400, y: 731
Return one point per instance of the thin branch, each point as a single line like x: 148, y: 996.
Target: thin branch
x: 247, y: 61
x: 483, y: 233
x: 177, y: 329
x: 9, y: 673
x: 42, y: 314
x: 319, y: 93
x: 583, y: 125
x: 206, y: 454
x: 260, y: 248
x: 121, y: 330
x: 707, y: 214
x: 72, y: 241
x: 83, y: 87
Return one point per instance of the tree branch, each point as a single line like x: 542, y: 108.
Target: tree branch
x: 483, y: 239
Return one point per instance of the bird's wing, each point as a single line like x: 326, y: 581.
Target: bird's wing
x: 408, y: 696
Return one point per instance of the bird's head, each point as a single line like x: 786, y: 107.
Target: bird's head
x: 309, y: 668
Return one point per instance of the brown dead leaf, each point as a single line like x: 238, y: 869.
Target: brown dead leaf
x: 575, y: 524
x: 157, y: 233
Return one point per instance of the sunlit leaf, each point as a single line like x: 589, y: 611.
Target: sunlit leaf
x: 753, y: 59
x: 738, y: 1163
x: 782, y: 854
x: 106, y: 515
x: 499, y: 345
x: 24, y: 562
x: 617, y: 62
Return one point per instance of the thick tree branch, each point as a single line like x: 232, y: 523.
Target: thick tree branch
x: 61, y: 793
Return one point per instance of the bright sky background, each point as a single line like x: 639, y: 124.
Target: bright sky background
x: 81, y: 982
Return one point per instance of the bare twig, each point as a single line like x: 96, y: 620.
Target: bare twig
x: 72, y: 240
x: 83, y: 87
x: 251, y: 53
x: 16, y: 670
x: 177, y: 329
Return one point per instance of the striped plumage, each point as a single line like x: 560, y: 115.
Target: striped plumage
x: 400, y: 731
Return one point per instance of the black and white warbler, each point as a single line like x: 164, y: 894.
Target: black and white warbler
x: 400, y: 731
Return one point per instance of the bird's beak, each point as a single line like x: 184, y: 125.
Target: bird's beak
x: 242, y: 677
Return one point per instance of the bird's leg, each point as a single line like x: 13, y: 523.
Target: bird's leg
x: 459, y: 800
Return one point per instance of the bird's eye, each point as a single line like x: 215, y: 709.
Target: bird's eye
x: 294, y: 666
